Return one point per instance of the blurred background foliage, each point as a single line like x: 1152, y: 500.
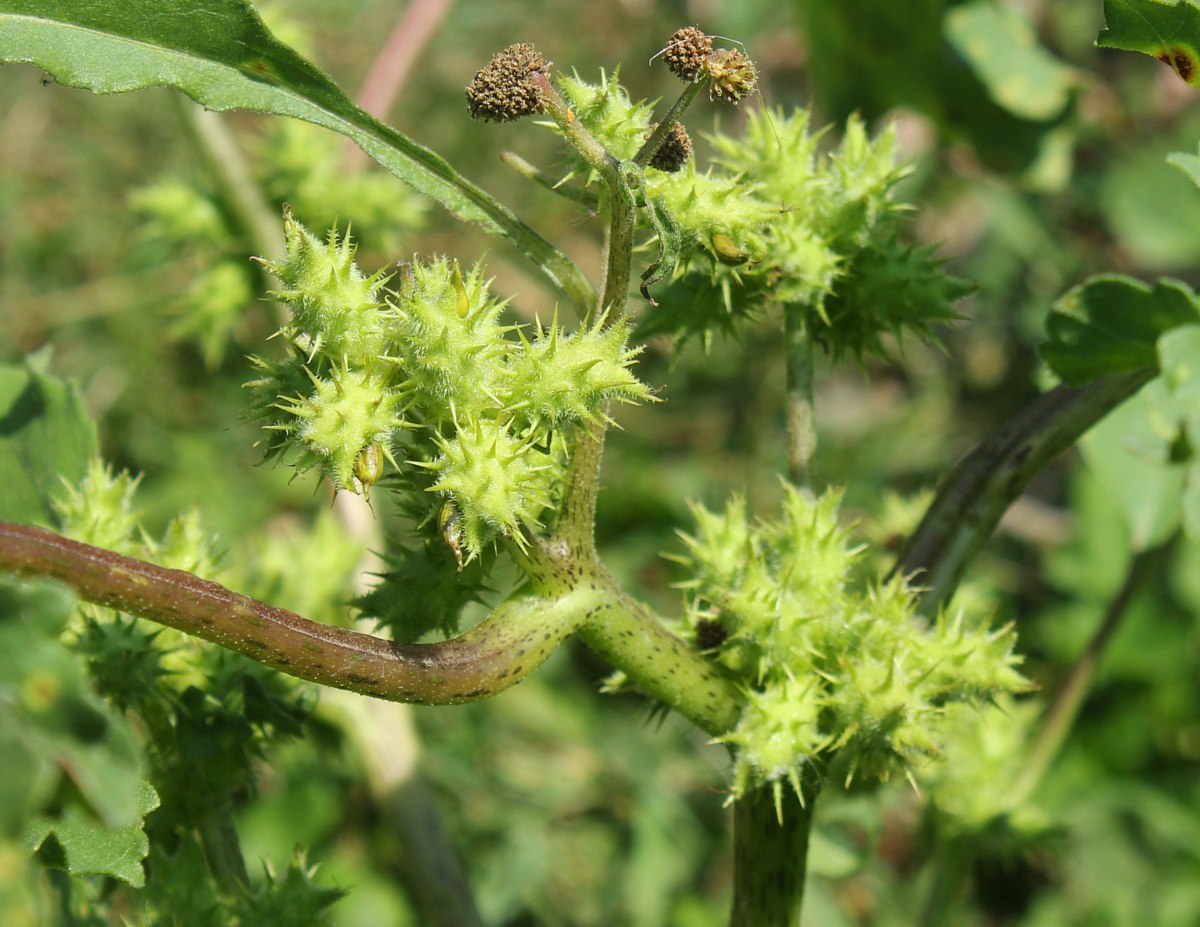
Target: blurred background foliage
x: 1038, y: 158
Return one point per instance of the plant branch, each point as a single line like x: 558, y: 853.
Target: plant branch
x: 618, y: 245
x: 975, y: 495
x: 634, y: 640
x: 239, y: 191
x: 620, y: 629
x: 503, y: 649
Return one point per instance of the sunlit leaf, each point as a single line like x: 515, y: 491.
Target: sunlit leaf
x: 1111, y: 324
x: 83, y: 846
x: 1169, y: 30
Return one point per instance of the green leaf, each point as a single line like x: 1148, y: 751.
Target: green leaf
x: 86, y: 847
x: 1188, y: 163
x: 1145, y: 493
x: 1168, y: 30
x: 221, y: 54
x: 45, y: 437
x: 1179, y: 354
x: 1152, y: 211
x: 1111, y: 323
x: 51, y: 719
x: 870, y: 56
x: 1001, y: 46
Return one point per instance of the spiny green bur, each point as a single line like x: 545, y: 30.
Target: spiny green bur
x: 559, y: 378
x: 346, y: 413
x: 449, y: 340
x: 499, y: 482
x: 829, y: 665
x: 335, y: 308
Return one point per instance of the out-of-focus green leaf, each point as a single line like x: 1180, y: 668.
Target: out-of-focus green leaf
x: 1146, y: 494
x: 45, y: 437
x: 1111, y: 324
x: 1152, y: 211
x: 870, y: 56
x: 1188, y: 163
x: 86, y: 847
x: 1169, y: 30
x: 1179, y: 355
x: 221, y: 54
x: 1002, y: 47
x: 51, y: 722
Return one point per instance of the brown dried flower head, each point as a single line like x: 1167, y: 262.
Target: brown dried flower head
x: 675, y: 151
x: 733, y: 75
x: 686, y: 53
x: 503, y: 91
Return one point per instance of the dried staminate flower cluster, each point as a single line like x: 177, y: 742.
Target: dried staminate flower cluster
x: 503, y: 91
x: 674, y: 152
x: 686, y: 53
x: 733, y: 74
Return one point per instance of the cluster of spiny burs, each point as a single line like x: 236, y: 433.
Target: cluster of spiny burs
x: 417, y: 368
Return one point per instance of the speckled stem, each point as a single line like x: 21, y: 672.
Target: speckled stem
x: 619, y: 240
x: 635, y: 641
x: 620, y: 629
x: 506, y: 647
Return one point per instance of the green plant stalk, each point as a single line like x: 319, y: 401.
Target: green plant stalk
x: 971, y: 501
x: 208, y: 814
x: 240, y: 192
x: 770, y: 855
x: 634, y: 640
x: 507, y: 646
x: 663, y: 129
x: 620, y: 629
x: 952, y: 865
x: 1060, y: 716
x: 503, y: 649
x: 801, y: 414
x: 618, y: 245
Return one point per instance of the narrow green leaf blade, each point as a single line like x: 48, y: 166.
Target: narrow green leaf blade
x: 1169, y: 30
x: 1111, y: 324
x: 221, y: 54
